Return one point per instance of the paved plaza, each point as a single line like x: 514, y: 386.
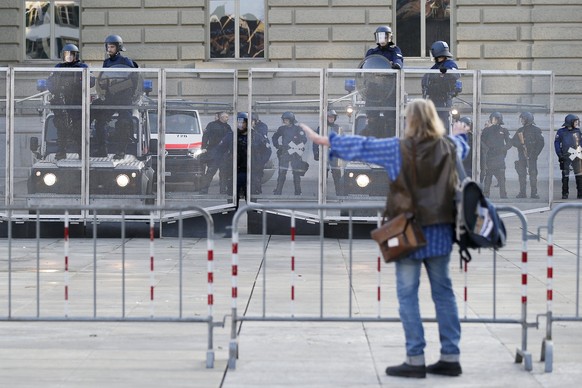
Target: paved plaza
x: 275, y: 354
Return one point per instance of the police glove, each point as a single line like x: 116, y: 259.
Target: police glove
x: 561, y: 160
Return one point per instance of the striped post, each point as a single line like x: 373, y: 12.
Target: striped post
x: 550, y: 275
x: 210, y: 269
x: 234, y: 292
x: 524, y: 274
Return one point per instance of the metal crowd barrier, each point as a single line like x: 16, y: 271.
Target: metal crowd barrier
x: 374, y: 266
x: 547, y: 353
x: 74, y: 280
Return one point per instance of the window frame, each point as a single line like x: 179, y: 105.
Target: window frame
x: 425, y: 54
x: 237, y: 16
x: 54, y: 53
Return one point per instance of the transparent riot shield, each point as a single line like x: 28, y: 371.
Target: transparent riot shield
x: 514, y: 132
x: 199, y: 159
x: 3, y: 129
x: 281, y: 166
x: 119, y: 165
x: 47, y: 137
x: 364, y: 102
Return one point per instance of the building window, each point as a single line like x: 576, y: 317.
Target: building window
x: 415, y: 34
x: 237, y: 29
x: 49, y: 25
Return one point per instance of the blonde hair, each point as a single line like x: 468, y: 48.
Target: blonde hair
x: 422, y: 120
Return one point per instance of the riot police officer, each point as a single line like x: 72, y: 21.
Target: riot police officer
x: 567, y: 146
x: 529, y: 143
x: 213, y: 135
x: 66, y: 89
x: 386, y: 47
x: 334, y: 163
x: 289, y: 140
x: 441, y: 88
x: 261, y: 152
x: 115, y: 92
x: 497, y: 140
x: 379, y: 90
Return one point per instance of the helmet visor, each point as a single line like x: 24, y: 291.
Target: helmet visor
x: 69, y: 56
x: 382, y: 37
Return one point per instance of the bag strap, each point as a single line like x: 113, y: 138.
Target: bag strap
x: 464, y: 254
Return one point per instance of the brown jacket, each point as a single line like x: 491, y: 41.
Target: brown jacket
x: 434, y: 188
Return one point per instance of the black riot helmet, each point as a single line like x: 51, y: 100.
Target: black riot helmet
x: 569, y: 120
x: 332, y: 113
x: 440, y: 48
x: 527, y: 117
x: 289, y: 116
x: 498, y: 116
x: 242, y: 117
x: 71, y: 49
x: 116, y: 40
x: 383, y: 35
x: 467, y: 120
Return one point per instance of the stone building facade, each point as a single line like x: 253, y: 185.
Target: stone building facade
x: 484, y: 34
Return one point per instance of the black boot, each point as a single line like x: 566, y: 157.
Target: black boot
x: 565, y: 187
x: 533, y: 182
x: 579, y: 186
x: 522, y: 187
x: 280, y: 182
x: 297, y: 184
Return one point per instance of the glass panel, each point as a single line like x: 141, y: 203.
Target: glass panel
x: 222, y: 28
x: 47, y: 137
x: 38, y: 29
x: 362, y: 103
x: 279, y: 101
x: 199, y: 129
x: 252, y: 29
x: 516, y: 174
x: 438, y: 26
x: 408, y: 27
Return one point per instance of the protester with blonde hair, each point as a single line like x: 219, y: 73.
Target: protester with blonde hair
x: 432, y: 194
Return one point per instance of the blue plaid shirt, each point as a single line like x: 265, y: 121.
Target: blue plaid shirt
x: 386, y: 153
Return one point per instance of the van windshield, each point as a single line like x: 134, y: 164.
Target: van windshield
x: 176, y: 122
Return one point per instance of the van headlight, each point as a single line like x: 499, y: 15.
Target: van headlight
x: 49, y: 179
x: 122, y: 180
x: 362, y: 180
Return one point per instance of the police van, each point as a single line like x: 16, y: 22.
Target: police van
x: 183, y: 144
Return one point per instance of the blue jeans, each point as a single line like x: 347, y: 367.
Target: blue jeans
x: 408, y: 281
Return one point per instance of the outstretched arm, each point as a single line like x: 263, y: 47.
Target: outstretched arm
x: 314, y: 136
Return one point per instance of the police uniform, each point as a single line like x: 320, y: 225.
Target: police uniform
x: 213, y: 135
x: 290, y: 140
x: 66, y: 89
x: 567, y: 145
x: 124, y: 125
x: 498, y: 142
x: 260, y: 155
x: 441, y: 88
x: 529, y: 143
x: 390, y: 52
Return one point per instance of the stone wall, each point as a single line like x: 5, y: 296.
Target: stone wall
x: 489, y: 34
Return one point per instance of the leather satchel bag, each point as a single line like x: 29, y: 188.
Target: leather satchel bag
x: 401, y: 235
